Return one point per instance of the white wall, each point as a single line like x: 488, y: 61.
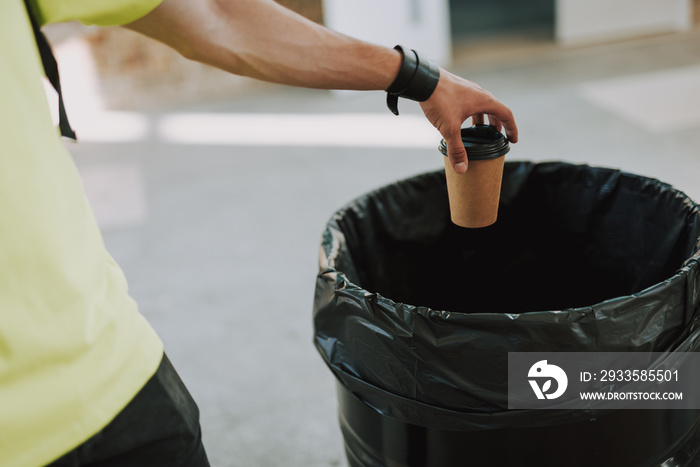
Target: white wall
x: 423, y: 25
x: 588, y: 21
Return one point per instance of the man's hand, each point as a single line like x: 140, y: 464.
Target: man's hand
x: 455, y: 100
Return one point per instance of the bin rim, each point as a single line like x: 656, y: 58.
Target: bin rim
x: 327, y: 261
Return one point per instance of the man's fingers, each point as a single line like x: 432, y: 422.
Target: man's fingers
x: 478, y: 119
x: 505, y: 117
x: 500, y: 112
x: 511, y: 131
x: 495, y: 122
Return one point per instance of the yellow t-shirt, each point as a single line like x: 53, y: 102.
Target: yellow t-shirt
x: 74, y: 349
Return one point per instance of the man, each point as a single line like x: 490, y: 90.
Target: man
x: 83, y: 377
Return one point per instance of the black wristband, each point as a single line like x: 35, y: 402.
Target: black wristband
x: 417, y: 79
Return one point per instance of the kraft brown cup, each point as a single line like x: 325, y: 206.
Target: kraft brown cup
x: 475, y: 194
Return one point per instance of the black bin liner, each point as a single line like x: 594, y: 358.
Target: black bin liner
x: 415, y: 316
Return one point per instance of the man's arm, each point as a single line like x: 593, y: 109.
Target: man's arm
x: 263, y: 40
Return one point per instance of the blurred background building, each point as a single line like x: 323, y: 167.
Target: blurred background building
x: 135, y: 72
x: 212, y: 190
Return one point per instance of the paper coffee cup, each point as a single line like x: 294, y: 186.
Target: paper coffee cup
x: 475, y: 194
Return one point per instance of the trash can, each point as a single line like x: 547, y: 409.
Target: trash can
x: 415, y: 316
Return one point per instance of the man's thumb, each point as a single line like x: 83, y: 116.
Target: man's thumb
x: 457, y: 154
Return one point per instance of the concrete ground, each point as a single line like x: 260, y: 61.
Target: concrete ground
x: 215, y: 211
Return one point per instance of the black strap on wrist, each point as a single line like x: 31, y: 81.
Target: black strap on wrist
x: 417, y: 79
x: 51, y: 70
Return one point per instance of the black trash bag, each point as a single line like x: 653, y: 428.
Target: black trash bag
x: 415, y: 316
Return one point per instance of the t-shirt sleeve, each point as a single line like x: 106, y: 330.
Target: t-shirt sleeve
x: 99, y: 12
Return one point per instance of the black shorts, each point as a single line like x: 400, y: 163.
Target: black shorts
x: 159, y: 427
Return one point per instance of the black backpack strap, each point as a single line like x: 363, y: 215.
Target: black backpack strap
x: 51, y: 71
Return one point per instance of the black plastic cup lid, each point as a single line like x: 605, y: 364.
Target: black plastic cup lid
x: 482, y: 142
